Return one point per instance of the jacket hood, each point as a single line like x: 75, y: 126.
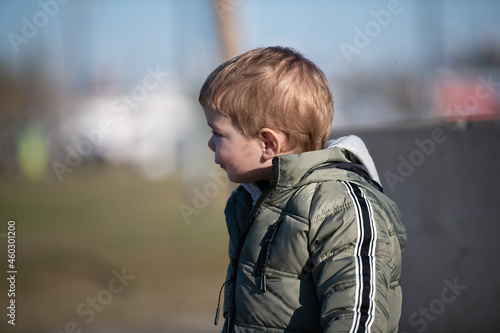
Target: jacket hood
x: 356, y: 146
x: 291, y: 169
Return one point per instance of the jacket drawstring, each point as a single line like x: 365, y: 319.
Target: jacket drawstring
x: 216, y: 321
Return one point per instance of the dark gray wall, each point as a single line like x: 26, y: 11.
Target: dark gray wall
x: 445, y: 179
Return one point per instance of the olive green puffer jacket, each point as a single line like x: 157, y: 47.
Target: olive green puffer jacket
x: 319, y: 251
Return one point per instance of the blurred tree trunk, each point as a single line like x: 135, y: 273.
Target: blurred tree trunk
x: 227, y: 27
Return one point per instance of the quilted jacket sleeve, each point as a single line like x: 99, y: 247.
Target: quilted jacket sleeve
x: 354, y: 257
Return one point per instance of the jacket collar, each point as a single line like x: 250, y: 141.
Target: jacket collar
x: 291, y: 170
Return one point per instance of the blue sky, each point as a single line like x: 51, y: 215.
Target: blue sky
x: 127, y: 36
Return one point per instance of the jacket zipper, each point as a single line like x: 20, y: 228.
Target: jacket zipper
x: 246, y: 228
x: 264, y: 255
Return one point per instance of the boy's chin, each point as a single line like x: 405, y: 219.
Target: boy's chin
x: 245, y: 178
x: 238, y: 179
x: 235, y: 178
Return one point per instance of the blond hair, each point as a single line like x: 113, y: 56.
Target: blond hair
x: 273, y: 87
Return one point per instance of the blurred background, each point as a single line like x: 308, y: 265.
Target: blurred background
x: 118, y: 207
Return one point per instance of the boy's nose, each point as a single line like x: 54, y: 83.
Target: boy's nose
x: 211, y: 144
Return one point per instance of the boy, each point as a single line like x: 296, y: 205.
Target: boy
x: 315, y: 246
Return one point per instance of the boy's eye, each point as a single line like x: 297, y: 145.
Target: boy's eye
x: 214, y: 133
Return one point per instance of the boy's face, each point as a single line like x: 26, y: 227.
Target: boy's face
x: 241, y: 157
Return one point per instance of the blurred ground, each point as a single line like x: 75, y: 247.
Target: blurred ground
x: 71, y: 235
x: 75, y: 237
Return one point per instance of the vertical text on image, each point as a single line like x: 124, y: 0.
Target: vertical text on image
x: 11, y: 271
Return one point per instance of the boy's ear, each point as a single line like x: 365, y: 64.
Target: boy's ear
x: 272, y: 142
